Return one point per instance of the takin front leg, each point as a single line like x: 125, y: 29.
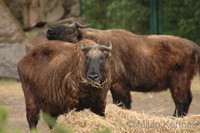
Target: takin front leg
x: 99, y: 107
x: 188, y: 100
x: 121, y: 95
x: 182, y: 96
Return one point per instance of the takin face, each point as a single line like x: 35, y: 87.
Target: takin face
x: 65, y: 33
x: 56, y: 32
x: 95, y: 58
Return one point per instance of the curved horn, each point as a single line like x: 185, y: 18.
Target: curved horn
x: 78, y: 25
x: 105, y: 48
x: 85, y: 48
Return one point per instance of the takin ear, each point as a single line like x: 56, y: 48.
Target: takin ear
x: 107, y: 54
x: 105, y: 49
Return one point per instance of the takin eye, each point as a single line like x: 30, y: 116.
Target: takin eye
x: 102, y: 59
x: 87, y: 59
x: 70, y: 30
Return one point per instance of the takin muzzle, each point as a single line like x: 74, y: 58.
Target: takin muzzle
x: 95, y: 58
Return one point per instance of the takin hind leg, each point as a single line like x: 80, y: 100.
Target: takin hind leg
x: 32, y: 111
x: 182, y: 105
x: 121, y: 95
x: 182, y: 96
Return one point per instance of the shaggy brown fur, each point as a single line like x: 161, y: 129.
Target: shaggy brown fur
x: 53, y: 77
x: 145, y: 63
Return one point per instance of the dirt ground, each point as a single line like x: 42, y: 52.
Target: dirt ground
x: 161, y: 103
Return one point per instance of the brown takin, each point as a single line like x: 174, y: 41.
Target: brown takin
x: 144, y: 63
x: 57, y: 76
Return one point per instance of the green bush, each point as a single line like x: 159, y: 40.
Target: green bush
x: 131, y: 15
x: 3, y: 117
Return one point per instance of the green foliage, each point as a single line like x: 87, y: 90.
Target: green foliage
x: 105, y: 130
x: 180, y: 17
x: 51, y: 121
x: 95, y: 11
x: 3, y: 116
x: 105, y: 14
x: 61, y: 129
x: 122, y: 15
x: 34, y: 130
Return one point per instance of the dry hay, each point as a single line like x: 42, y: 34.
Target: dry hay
x: 119, y: 120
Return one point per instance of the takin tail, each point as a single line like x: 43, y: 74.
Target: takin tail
x: 197, y: 58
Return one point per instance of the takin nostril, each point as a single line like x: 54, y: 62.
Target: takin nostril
x: 93, y: 77
x: 50, y: 31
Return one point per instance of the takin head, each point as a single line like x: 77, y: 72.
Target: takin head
x: 95, y: 62
x: 65, y: 33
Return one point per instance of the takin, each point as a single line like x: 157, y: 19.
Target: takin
x: 144, y: 63
x: 57, y: 76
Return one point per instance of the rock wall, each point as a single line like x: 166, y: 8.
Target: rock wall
x: 31, y: 13
x: 11, y: 46
x: 18, y: 16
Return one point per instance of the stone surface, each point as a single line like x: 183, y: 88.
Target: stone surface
x: 10, y: 54
x: 33, y: 12
x: 10, y: 30
x: 72, y: 8
x: 16, y: 9
x: 11, y: 47
x: 30, y: 13
x: 13, y: 42
x: 75, y: 9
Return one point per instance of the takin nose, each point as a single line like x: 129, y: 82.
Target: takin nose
x: 49, y: 30
x: 94, y: 77
x: 49, y: 34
